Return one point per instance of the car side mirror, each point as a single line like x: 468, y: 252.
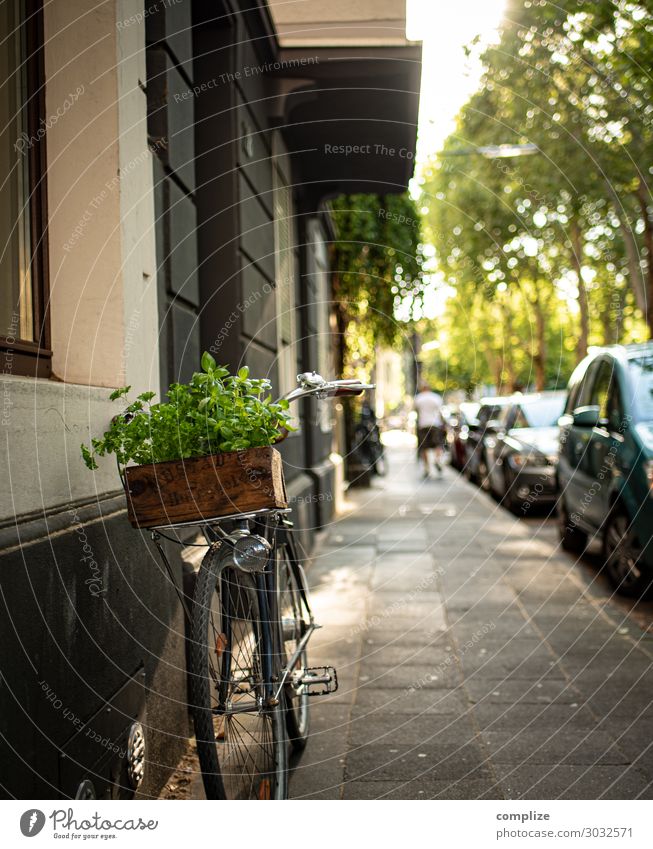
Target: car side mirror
x: 587, y: 416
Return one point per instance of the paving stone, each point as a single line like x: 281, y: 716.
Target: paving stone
x: 422, y: 789
x: 428, y: 701
x: 553, y: 747
x: 423, y: 761
x: 505, y: 664
x: 393, y: 657
x: 573, y: 782
x: 435, y: 675
x: 529, y: 717
x: 543, y: 691
x: 406, y: 729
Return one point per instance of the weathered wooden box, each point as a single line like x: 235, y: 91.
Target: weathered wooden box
x: 202, y: 488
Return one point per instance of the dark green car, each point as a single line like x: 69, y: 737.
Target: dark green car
x: 605, y: 468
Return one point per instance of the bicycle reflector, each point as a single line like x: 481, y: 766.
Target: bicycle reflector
x: 251, y: 553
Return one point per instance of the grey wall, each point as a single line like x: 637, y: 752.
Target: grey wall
x: 87, y: 622
x: 171, y: 115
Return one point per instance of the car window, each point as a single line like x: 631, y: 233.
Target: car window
x: 505, y: 416
x: 641, y: 371
x: 572, y: 397
x: 487, y: 412
x: 520, y: 419
x: 543, y: 411
x: 484, y: 414
x: 601, y: 388
x: 585, y: 393
x: 616, y: 418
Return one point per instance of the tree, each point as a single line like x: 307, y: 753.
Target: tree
x: 377, y: 263
x: 563, y: 230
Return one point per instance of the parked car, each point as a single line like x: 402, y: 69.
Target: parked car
x: 605, y: 472
x: 489, y: 415
x: 457, y: 431
x: 521, y: 452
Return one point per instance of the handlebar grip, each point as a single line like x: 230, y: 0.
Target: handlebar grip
x: 344, y: 391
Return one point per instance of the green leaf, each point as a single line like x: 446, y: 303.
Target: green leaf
x: 88, y: 458
x: 243, y: 372
x: 208, y: 362
x: 118, y: 393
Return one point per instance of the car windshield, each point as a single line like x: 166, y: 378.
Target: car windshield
x: 469, y: 410
x: 641, y: 370
x: 541, y: 412
x: 489, y: 412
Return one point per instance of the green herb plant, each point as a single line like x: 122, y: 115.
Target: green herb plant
x: 212, y: 413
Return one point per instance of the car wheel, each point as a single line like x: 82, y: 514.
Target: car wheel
x: 571, y: 537
x: 509, y: 499
x: 483, y: 474
x: 622, y: 555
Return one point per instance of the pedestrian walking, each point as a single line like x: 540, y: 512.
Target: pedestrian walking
x: 430, y: 428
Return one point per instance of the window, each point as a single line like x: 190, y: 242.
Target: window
x: 616, y: 419
x: 601, y: 389
x: 286, y: 277
x: 641, y: 387
x: 318, y: 269
x: 543, y: 412
x: 584, y: 395
x: 520, y: 419
x: 24, y: 338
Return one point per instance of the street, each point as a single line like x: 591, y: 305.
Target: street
x: 476, y: 659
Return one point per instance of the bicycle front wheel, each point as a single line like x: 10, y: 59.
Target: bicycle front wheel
x: 239, y: 725
x: 294, y: 619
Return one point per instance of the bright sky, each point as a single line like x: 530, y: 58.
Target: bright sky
x: 448, y: 76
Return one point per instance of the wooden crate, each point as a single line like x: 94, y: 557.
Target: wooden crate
x: 205, y: 487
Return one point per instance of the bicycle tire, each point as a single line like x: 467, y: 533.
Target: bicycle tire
x: 242, y: 755
x: 294, y: 620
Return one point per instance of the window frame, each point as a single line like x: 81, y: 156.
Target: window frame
x: 22, y: 357
x: 287, y: 302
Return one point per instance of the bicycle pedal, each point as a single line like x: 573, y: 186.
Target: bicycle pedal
x: 318, y: 680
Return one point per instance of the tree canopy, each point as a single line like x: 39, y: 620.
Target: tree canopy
x: 378, y: 272
x: 547, y: 254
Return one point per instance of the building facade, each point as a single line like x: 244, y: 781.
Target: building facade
x: 168, y: 168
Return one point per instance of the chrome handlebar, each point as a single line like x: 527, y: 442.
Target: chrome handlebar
x: 313, y: 384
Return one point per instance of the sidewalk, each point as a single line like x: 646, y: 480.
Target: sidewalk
x: 474, y: 660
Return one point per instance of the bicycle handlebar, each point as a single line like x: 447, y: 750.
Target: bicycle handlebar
x: 313, y: 384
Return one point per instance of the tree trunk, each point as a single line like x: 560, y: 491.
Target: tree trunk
x: 642, y: 194
x: 583, y: 302
x: 539, y: 358
x: 508, y: 359
x: 637, y: 282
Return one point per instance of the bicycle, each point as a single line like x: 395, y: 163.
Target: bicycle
x: 251, y: 622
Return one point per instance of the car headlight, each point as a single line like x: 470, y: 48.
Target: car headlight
x: 648, y: 471
x: 521, y: 460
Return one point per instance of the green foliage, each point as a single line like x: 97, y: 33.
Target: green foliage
x: 214, y: 412
x: 377, y: 270
x: 548, y: 254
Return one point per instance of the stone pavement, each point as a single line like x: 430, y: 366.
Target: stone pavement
x: 475, y: 658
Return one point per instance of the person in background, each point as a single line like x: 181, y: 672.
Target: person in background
x: 430, y: 427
